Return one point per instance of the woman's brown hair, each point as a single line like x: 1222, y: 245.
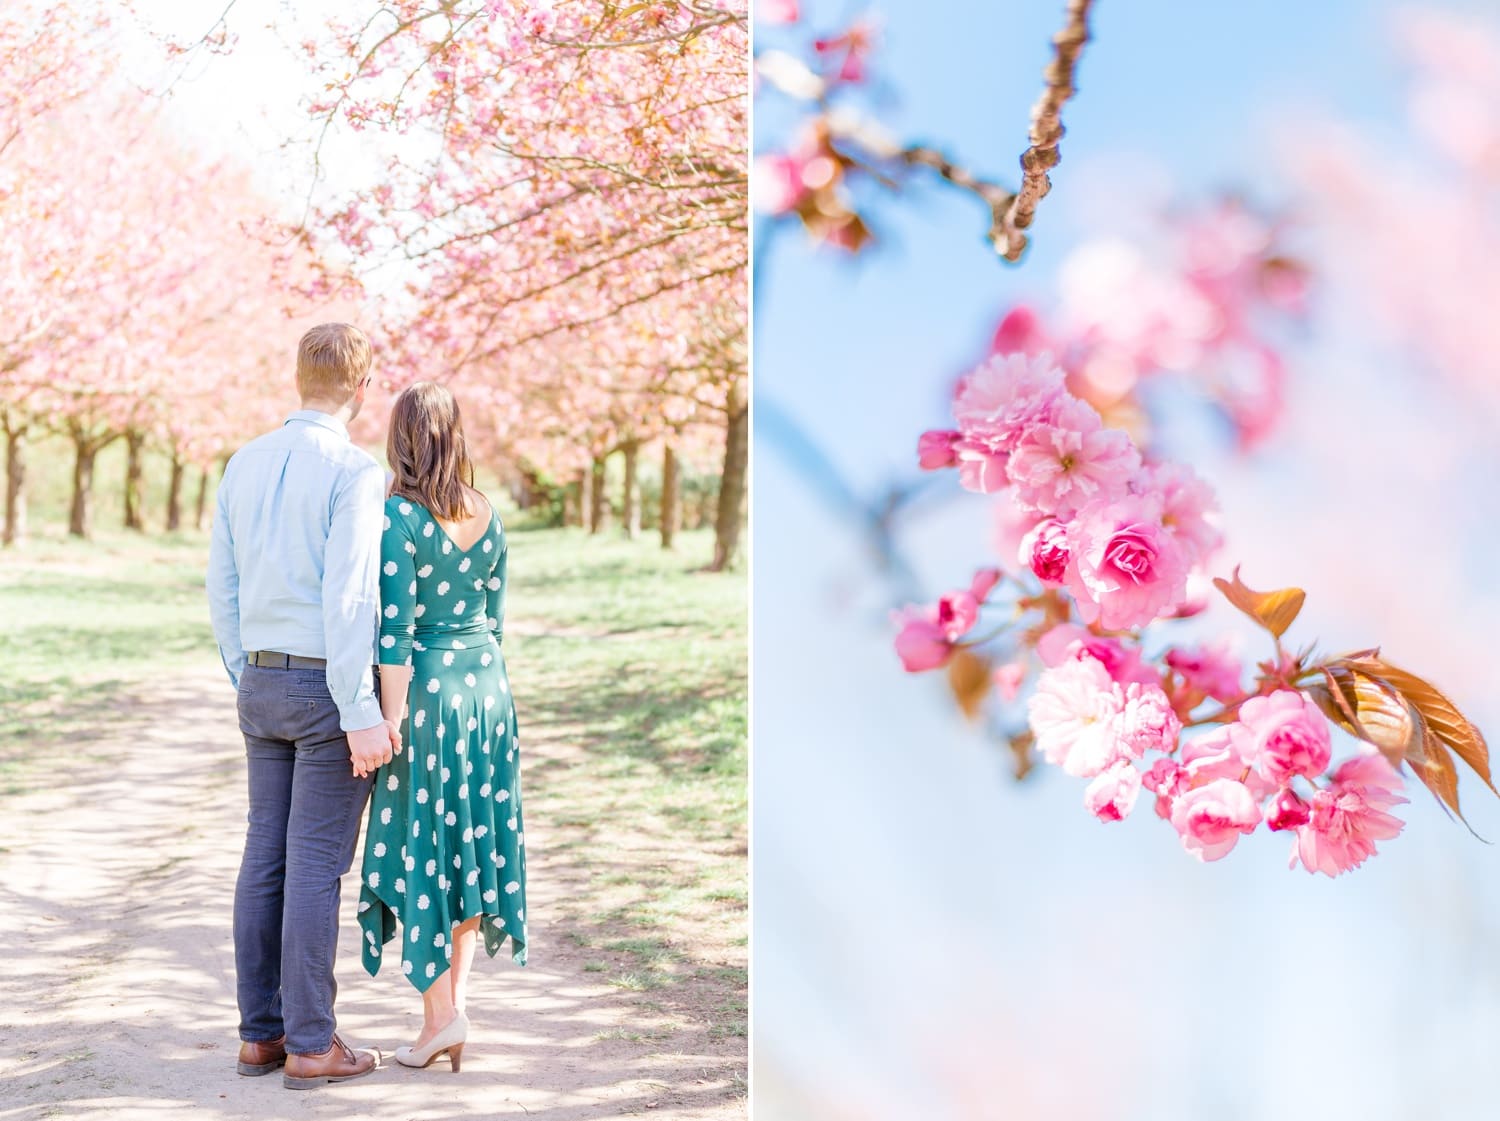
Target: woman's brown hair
x: 427, y: 451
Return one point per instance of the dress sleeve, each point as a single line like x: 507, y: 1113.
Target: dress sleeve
x: 398, y: 591
x: 495, y: 594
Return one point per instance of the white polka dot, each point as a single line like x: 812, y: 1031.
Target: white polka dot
x: 390, y: 610
x: 511, y: 824
x: 387, y: 522
x: 416, y: 828
x: 374, y: 879
x: 451, y: 819
x: 431, y: 969
x: 463, y: 565
x: 446, y: 775
x: 494, y: 583
x: 468, y: 834
x: 411, y: 863
x: 438, y: 939
x: 419, y: 718
x: 413, y: 589
x: 442, y: 588
x: 431, y: 871
x: 379, y: 848
x: 387, y: 641
x: 421, y: 797
x: 401, y: 886
x: 512, y: 887
x: 406, y: 967
x: 390, y: 568
x: 473, y: 723
x: 363, y: 906
x: 489, y: 703
x: 479, y: 585
x: 458, y: 608
x: 433, y: 685
x: 431, y: 762
x: 448, y: 658
x: 480, y: 831
x: 404, y: 507
x: 463, y: 793
x: 441, y: 729
x: 502, y: 795
x: 491, y: 895
x: 484, y: 791
x: 447, y: 547
x: 416, y: 931
x: 473, y: 877
x: 409, y: 547
x: 485, y: 658
x: 458, y: 645
x: 437, y: 809
x: 493, y: 624
x: 458, y: 861
x: 470, y: 680
x: 457, y: 702
x: 427, y: 530
x: 392, y: 783
x: 487, y: 545
x: 442, y: 882
x: 425, y: 571
x: 421, y: 610
x: 417, y: 646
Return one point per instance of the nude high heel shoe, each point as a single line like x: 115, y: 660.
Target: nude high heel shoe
x: 449, y: 1041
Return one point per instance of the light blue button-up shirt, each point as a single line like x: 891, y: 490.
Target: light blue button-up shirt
x: 294, y: 564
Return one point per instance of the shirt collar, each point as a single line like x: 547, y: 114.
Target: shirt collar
x: 323, y: 420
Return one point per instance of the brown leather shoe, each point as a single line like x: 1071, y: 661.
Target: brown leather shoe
x: 337, y: 1064
x: 262, y: 1057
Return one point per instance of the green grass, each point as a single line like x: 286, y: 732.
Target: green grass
x: 629, y: 666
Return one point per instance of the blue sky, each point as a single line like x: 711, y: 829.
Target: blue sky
x: 933, y: 940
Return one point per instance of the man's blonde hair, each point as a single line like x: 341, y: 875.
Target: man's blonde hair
x: 332, y: 359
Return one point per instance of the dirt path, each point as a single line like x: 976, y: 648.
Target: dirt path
x: 117, y: 978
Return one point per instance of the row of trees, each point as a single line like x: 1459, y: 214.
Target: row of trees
x: 571, y: 259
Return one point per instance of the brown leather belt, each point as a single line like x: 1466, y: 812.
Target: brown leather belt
x: 273, y: 659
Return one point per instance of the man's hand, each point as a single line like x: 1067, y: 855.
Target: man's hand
x: 369, y: 748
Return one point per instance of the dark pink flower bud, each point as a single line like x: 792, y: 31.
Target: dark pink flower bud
x: 1288, y: 811
x: 1045, y: 551
x: 936, y: 450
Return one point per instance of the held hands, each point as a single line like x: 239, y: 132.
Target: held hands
x: 371, y: 748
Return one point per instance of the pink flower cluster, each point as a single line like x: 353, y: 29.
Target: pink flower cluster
x: 1096, y: 718
x: 1120, y: 535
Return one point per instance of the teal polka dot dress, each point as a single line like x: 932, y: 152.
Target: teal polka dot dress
x: 444, y: 841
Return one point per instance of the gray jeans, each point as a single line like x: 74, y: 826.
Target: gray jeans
x: 305, y: 806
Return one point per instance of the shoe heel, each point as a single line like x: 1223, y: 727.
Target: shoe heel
x: 455, y: 1054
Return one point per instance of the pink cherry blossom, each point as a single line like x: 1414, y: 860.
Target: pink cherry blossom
x: 1123, y: 663
x: 1211, y: 818
x: 1288, y: 811
x: 851, y: 49
x: 937, y: 449
x: 1210, y: 670
x: 1146, y: 722
x: 1008, y: 677
x: 1125, y: 569
x: 1060, y: 466
x: 1350, y: 816
x: 1112, y: 794
x: 777, y: 11
x: 995, y: 406
x: 1045, y: 551
x: 1187, y: 505
x: 927, y: 634
x: 1217, y: 754
x: 1072, y: 714
x: 1167, y: 778
x: 1285, y: 734
x: 1020, y: 332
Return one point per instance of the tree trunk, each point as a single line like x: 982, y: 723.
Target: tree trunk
x: 15, y: 482
x: 732, y: 482
x: 585, y: 496
x: 671, y: 498
x: 596, y: 496
x: 134, y: 441
x: 202, y: 510
x: 174, y: 495
x: 631, y: 508
x: 80, y: 517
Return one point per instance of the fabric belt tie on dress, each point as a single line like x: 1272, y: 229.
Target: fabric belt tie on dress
x: 273, y: 659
